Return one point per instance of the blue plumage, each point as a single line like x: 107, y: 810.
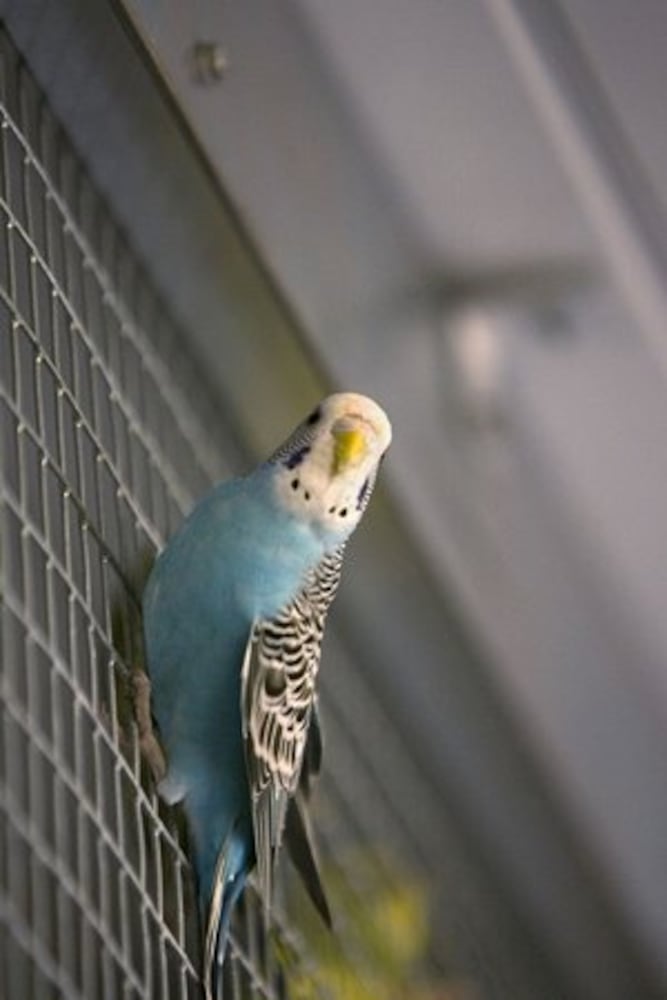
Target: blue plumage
x: 233, y: 614
x: 195, y: 699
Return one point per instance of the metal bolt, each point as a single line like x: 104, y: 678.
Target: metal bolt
x: 209, y: 62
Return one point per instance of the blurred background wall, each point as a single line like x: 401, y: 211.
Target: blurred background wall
x: 212, y: 213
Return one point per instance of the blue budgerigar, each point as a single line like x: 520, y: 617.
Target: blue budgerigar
x: 234, y: 612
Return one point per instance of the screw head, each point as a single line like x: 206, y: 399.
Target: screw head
x: 209, y: 63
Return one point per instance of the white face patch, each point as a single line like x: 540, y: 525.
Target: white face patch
x: 326, y: 470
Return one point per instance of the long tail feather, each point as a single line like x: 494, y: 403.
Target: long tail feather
x: 301, y: 847
x: 228, y: 882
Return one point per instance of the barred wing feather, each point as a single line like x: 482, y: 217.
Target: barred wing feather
x: 277, y: 703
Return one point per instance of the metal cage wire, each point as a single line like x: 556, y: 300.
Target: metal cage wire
x: 103, y: 422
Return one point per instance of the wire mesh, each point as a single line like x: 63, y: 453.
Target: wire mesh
x: 106, y: 432
x: 103, y: 421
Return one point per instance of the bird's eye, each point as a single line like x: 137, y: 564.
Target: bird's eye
x: 297, y: 457
x: 314, y: 417
x: 295, y: 484
x: 342, y: 512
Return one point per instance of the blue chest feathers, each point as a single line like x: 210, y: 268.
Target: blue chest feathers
x: 237, y: 556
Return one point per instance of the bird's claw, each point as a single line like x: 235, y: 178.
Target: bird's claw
x: 148, y: 741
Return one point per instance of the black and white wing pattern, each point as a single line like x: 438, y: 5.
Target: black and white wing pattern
x: 277, y: 702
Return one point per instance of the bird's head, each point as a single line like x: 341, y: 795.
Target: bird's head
x: 325, y: 471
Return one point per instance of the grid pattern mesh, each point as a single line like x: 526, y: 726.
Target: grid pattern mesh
x: 102, y: 422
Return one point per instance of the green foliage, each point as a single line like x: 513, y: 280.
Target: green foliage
x: 378, y: 950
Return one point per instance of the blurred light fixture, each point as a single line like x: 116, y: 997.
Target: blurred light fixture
x: 477, y: 345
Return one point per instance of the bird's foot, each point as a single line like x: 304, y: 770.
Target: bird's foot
x: 148, y: 741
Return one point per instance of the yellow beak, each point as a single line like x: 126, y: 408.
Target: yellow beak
x: 349, y: 447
